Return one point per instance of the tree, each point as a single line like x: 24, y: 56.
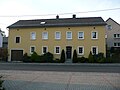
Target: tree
x: 91, y: 58
x: 62, y: 58
x: 75, y: 57
x: 2, y: 33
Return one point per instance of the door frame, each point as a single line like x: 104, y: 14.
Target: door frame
x: 71, y: 51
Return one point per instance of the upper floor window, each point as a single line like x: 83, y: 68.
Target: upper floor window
x: 81, y: 50
x: 94, y: 35
x: 116, y: 35
x: 109, y: 27
x: 32, y: 35
x: 80, y: 35
x: 57, y: 35
x: 117, y: 44
x: 69, y: 35
x: 45, y: 35
x: 32, y: 49
x: 44, y: 49
x: 57, y: 50
x: 17, y: 39
x: 94, y: 50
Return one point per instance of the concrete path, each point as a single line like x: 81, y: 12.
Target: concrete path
x: 47, y: 80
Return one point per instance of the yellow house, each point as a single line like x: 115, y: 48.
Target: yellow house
x: 54, y: 35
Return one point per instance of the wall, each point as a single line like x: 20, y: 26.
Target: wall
x: 1, y: 40
x: 110, y: 33
x: 25, y: 44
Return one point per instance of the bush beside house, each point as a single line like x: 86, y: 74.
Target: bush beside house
x: 62, y: 58
x: 1, y: 83
x: 44, y: 58
x: 3, y: 54
x: 48, y: 58
x: 75, y: 59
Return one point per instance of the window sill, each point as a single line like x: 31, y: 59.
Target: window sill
x: 57, y: 53
x: 94, y: 38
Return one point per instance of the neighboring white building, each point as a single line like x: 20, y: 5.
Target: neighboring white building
x: 112, y: 34
x: 1, y: 40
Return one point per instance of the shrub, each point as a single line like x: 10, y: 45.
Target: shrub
x: 48, y: 57
x: 26, y: 58
x: 34, y: 57
x: 82, y: 60
x: 74, y: 60
x: 62, y: 58
x: 91, y: 58
x: 116, y: 58
x: 3, y: 54
x: 1, y: 83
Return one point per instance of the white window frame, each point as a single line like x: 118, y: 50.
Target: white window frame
x: 82, y: 49
x: 55, y: 50
x: 15, y: 39
x: 43, y: 37
x: 117, y: 44
x: 31, y: 37
x: 34, y: 49
x: 116, y: 35
x: 96, y: 49
x: 96, y: 35
x: 79, y: 36
x: 46, y: 49
x: 67, y: 35
x: 56, y: 35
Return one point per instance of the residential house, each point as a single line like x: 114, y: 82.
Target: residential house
x: 5, y: 42
x: 53, y: 35
x: 113, y: 34
x: 1, y: 39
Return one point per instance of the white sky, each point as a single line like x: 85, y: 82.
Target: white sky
x: 41, y: 7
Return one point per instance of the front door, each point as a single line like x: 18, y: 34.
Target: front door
x: 68, y: 52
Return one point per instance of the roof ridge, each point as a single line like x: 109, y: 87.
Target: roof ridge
x: 113, y: 21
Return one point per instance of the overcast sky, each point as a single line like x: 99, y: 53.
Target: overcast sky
x: 18, y: 8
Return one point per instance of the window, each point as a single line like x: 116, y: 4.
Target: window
x: 57, y: 50
x: 32, y: 49
x: 94, y: 35
x: 94, y: 50
x: 45, y: 35
x: 44, y: 49
x: 109, y: 27
x: 68, y: 35
x: 116, y: 35
x: 81, y: 50
x: 117, y: 44
x: 80, y: 35
x: 57, y: 35
x: 17, y: 40
x: 33, y: 36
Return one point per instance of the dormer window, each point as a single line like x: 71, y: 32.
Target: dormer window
x: 42, y: 22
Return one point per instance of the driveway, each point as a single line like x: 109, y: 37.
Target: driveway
x: 55, y: 80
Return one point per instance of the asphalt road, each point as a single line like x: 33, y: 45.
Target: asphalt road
x: 108, y: 68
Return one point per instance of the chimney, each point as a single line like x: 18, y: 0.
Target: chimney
x: 74, y: 15
x: 57, y: 17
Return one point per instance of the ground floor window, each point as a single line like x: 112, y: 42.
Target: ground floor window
x: 57, y: 50
x: 94, y: 50
x: 80, y: 50
x: 44, y: 49
x: 32, y: 49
